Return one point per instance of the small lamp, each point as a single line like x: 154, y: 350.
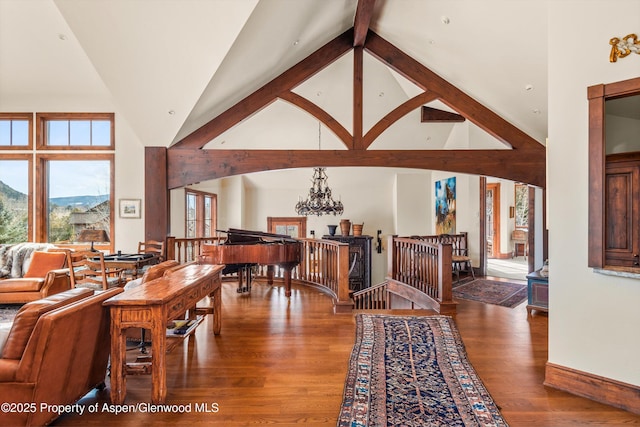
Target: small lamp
x: 90, y: 235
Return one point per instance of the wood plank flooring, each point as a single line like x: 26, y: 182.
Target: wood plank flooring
x: 283, y: 362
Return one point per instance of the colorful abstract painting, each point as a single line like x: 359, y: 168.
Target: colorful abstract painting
x: 446, y: 206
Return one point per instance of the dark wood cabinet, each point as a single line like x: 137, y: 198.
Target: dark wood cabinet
x: 622, y: 214
x: 359, y: 260
x: 537, y: 292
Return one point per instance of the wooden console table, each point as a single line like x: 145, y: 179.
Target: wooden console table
x: 151, y: 306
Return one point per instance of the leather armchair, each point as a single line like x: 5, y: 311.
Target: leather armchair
x: 44, y: 277
x: 56, y: 352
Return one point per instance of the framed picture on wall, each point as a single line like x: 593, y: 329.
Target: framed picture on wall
x: 129, y: 208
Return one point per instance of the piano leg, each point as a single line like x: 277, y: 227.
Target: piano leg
x: 287, y: 282
x: 270, y: 274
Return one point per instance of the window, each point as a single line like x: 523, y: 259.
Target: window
x: 76, y: 196
x: 522, y: 206
x: 73, y: 186
x: 614, y: 176
x: 85, y: 131
x: 15, y: 203
x: 290, y: 226
x: 15, y: 131
x: 200, y: 213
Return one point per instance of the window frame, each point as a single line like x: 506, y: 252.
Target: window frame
x: 200, y: 213
x: 43, y: 194
x: 19, y: 116
x: 41, y: 134
x: 597, y: 96
x: 515, y: 203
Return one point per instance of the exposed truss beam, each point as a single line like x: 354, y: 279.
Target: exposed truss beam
x: 396, y: 114
x: 465, y: 105
x: 364, y: 12
x: 268, y: 93
x: 320, y: 114
x: 433, y: 115
x: 189, y: 166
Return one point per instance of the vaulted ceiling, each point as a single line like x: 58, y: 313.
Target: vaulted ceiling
x: 173, y: 66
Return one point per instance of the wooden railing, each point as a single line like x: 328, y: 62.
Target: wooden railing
x: 420, y: 271
x: 186, y: 250
x: 373, y: 298
x: 324, y: 264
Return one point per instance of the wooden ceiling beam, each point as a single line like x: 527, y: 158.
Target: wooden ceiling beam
x: 268, y: 93
x: 433, y: 115
x: 190, y: 166
x: 396, y: 114
x: 311, y: 108
x: 459, y: 101
x: 358, y: 70
x: 364, y: 12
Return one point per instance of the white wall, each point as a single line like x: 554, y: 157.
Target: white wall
x: 593, y: 319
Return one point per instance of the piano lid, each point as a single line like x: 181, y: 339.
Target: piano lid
x: 237, y: 235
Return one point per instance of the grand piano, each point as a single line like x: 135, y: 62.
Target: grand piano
x: 245, y: 248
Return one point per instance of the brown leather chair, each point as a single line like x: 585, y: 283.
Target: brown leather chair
x: 45, y: 276
x: 56, y: 352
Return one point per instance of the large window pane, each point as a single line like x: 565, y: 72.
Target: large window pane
x: 14, y: 202
x: 78, y: 198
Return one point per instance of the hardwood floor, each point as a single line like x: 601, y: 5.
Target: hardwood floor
x: 283, y: 361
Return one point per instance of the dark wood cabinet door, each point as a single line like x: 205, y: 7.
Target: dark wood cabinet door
x: 622, y: 200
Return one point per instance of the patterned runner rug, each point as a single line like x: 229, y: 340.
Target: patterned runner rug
x: 413, y: 371
x: 506, y: 294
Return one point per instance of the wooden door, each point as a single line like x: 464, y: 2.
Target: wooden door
x: 492, y: 219
x: 291, y: 226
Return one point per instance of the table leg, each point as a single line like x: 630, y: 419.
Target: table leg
x: 158, y: 360
x: 118, y: 355
x: 216, y: 296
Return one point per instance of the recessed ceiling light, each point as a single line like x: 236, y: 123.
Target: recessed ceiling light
x: 528, y: 87
x: 381, y: 94
x: 295, y: 43
x: 445, y: 20
x: 171, y: 112
x: 62, y: 36
x: 535, y: 111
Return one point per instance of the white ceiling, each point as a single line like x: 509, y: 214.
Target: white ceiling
x: 196, y: 58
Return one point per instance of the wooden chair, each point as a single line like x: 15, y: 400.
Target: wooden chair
x: 87, y: 269
x: 460, y: 259
x: 154, y: 247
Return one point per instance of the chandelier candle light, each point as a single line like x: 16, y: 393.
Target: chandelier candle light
x: 319, y: 201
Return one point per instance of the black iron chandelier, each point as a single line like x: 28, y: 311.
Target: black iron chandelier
x: 319, y: 201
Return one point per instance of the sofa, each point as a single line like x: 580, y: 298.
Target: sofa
x: 33, y: 277
x: 56, y: 352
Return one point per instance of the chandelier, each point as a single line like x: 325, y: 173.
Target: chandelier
x: 319, y: 201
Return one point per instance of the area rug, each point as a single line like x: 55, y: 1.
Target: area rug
x: 506, y: 294
x: 413, y: 371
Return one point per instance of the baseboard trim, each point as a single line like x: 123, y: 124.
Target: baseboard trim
x: 600, y: 389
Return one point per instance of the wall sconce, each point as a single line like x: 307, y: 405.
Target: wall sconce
x: 379, y: 242
x: 512, y: 211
